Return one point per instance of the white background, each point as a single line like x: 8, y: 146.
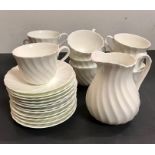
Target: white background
x: 15, y: 24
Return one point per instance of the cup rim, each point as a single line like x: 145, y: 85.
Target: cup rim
x: 146, y: 46
x: 17, y: 51
x: 68, y: 41
x: 31, y: 34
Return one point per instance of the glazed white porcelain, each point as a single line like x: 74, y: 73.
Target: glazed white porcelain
x: 46, y: 102
x: 45, y: 123
x: 41, y: 96
x: 82, y: 64
x: 128, y: 43
x: 50, y: 98
x: 14, y: 80
x: 43, y: 119
x: 42, y: 106
x: 37, y: 62
x: 113, y: 96
x: 45, y: 36
x: 85, y: 75
x: 46, y: 108
x: 83, y: 42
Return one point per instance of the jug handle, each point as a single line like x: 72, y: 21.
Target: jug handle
x: 108, y: 39
x: 140, y: 59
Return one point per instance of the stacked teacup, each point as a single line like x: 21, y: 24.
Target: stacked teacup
x: 46, y: 36
x: 82, y: 43
x: 42, y: 89
x: 135, y: 46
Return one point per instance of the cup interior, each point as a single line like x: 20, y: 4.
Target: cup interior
x: 85, y: 41
x: 132, y: 40
x: 35, y: 50
x: 121, y: 59
x: 43, y: 34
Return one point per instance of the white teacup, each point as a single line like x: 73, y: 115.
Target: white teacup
x: 128, y: 43
x: 45, y: 36
x: 37, y: 62
x: 83, y: 42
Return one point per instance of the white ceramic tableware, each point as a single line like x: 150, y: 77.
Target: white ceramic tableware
x: 39, y: 97
x: 83, y: 42
x: 128, y: 43
x: 45, y: 36
x: 58, y: 120
x: 45, y: 103
x: 14, y: 81
x: 85, y: 75
x: 37, y: 110
x: 37, y: 62
x: 113, y: 95
x: 52, y: 99
x: 42, y: 106
x: 82, y: 64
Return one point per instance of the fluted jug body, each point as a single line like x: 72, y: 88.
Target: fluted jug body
x: 113, y: 96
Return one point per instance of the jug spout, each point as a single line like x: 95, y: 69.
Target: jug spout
x: 139, y: 75
x: 113, y: 59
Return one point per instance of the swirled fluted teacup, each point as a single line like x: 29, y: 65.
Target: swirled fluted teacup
x: 37, y: 62
x: 45, y: 36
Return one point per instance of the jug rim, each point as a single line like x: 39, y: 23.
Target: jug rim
x: 145, y: 44
x: 114, y: 58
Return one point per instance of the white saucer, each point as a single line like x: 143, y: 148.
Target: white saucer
x: 41, y: 107
x: 59, y: 120
x: 43, y: 98
x: 15, y: 82
x: 64, y: 89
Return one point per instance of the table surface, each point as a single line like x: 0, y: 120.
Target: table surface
x: 81, y: 127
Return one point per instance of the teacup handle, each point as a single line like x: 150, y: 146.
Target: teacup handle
x: 67, y: 52
x: 26, y: 41
x: 108, y: 40
x: 62, y: 38
x: 140, y: 59
x: 103, y: 48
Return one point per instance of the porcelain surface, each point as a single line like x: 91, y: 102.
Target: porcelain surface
x: 46, y: 123
x: 37, y: 62
x: 83, y: 42
x: 44, y: 106
x: 85, y: 75
x: 14, y: 81
x: 45, y: 36
x: 113, y: 96
x: 82, y: 64
x: 128, y: 43
x: 41, y: 96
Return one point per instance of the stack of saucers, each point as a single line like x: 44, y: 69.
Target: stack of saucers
x: 46, y: 105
